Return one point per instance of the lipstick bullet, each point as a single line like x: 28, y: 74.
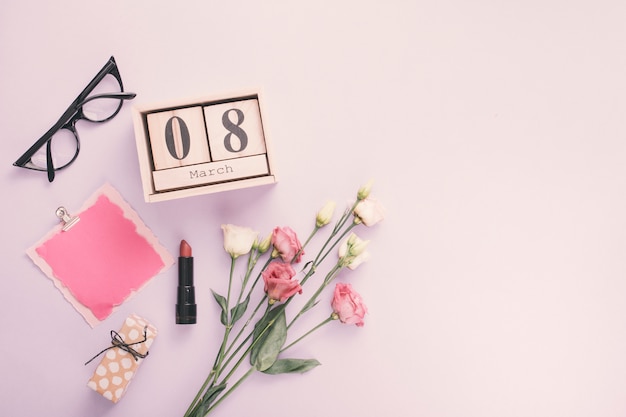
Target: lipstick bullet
x: 186, y: 297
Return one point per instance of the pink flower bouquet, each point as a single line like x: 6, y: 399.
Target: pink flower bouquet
x: 265, y: 342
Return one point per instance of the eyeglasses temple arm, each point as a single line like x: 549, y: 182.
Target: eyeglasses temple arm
x: 49, y: 164
x: 121, y: 96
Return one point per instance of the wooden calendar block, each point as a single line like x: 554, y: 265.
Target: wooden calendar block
x: 212, y: 172
x: 178, y: 138
x: 235, y: 129
x: 206, y: 145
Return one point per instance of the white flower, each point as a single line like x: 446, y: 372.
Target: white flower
x: 352, y: 252
x: 358, y: 260
x: 369, y: 211
x: 325, y: 214
x: 238, y: 240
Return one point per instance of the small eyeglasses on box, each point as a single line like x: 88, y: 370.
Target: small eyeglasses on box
x: 100, y: 101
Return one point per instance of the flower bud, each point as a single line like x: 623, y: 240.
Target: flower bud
x: 325, y: 214
x: 265, y: 244
x: 365, y: 190
x: 352, y: 252
x: 359, y: 247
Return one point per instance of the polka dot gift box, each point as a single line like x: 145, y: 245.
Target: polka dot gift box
x: 122, y: 359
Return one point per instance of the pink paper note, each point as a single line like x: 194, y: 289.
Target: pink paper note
x: 104, y: 258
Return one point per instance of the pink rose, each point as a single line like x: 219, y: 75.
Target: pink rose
x: 286, y: 244
x: 348, y: 305
x: 279, y: 284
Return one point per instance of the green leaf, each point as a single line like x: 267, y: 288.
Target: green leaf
x: 207, y: 400
x: 222, y: 303
x: 241, y: 308
x: 269, y: 334
x: 290, y: 366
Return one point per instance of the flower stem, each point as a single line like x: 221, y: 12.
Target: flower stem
x: 231, y: 357
x: 307, y: 333
x: 243, y: 328
x: 249, y: 349
x: 199, y: 394
x: 252, y: 260
x: 230, y: 284
x: 315, y: 229
x: 345, y: 232
x: 309, y: 304
x: 325, y: 249
x: 227, y: 328
x: 258, y: 276
x: 227, y: 393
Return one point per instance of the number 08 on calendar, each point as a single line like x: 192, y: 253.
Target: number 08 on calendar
x: 202, y: 146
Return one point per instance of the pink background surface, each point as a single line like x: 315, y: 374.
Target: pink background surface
x: 494, y: 132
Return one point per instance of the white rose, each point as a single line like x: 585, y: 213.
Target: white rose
x: 238, y: 240
x: 369, y: 211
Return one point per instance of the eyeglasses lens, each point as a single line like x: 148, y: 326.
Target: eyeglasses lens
x: 103, y: 108
x: 63, y: 145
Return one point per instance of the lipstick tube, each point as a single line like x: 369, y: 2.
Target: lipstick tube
x: 186, y: 294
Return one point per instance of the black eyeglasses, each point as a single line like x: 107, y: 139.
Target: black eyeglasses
x: 100, y: 101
